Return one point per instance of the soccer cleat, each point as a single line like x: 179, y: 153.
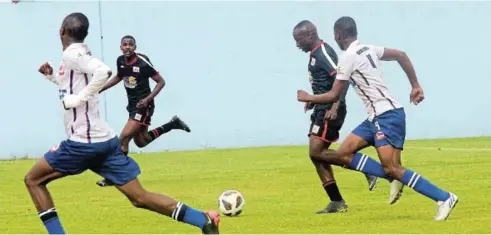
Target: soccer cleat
x: 334, y: 207
x: 104, y: 183
x: 445, y: 207
x: 212, y: 222
x: 180, y: 124
x: 372, y: 181
x: 396, y: 188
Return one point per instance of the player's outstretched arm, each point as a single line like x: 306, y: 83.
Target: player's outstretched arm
x: 115, y: 80
x: 47, y: 71
x: 405, y: 63
x: 326, y: 98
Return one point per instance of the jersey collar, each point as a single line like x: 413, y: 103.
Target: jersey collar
x: 353, y: 44
x: 132, y: 61
x: 317, y: 46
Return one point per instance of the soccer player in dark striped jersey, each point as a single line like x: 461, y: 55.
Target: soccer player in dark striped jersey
x: 135, y: 69
x: 326, y: 119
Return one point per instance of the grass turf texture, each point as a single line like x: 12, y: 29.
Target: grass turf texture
x: 281, y: 189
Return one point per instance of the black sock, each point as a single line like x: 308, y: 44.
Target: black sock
x: 332, y: 191
x: 125, y: 153
x: 155, y: 133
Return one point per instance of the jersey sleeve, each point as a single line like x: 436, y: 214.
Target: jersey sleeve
x: 379, y: 51
x: 327, y: 62
x: 82, y: 61
x: 345, y: 67
x: 118, y: 67
x: 149, y: 69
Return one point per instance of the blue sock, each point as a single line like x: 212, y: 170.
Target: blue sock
x: 423, y: 186
x: 51, y: 221
x: 367, y: 165
x: 189, y: 215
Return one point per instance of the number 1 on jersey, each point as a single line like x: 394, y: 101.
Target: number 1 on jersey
x: 371, y: 61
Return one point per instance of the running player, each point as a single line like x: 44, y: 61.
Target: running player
x: 136, y: 70
x: 385, y: 127
x: 92, y: 144
x: 327, y: 119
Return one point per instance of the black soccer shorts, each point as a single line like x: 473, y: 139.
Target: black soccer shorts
x: 327, y: 131
x: 142, y: 115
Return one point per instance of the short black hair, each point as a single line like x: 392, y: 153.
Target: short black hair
x: 302, y: 24
x: 128, y: 37
x: 346, y: 26
x: 76, y: 26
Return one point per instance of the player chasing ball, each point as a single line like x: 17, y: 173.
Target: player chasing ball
x: 385, y: 127
x: 136, y: 70
x: 92, y: 144
x: 327, y: 118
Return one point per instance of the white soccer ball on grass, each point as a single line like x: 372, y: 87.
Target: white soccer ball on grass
x: 231, y: 203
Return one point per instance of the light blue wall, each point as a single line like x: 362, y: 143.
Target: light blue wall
x: 232, y: 68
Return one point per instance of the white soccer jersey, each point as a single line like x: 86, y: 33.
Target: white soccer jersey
x: 360, y: 65
x: 79, y: 81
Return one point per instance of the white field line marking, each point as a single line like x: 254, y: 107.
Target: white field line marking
x: 452, y: 149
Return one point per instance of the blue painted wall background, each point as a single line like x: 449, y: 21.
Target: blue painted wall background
x: 232, y: 68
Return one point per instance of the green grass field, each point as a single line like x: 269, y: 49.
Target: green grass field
x: 281, y: 189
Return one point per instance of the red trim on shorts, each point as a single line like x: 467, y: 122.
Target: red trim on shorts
x: 141, y: 123
x: 146, y: 116
x: 324, y: 134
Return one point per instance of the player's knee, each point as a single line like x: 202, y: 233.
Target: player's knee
x: 390, y: 169
x: 30, y: 181
x: 140, y: 143
x: 315, y: 161
x: 315, y: 153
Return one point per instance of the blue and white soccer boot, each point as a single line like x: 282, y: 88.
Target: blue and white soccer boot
x: 445, y: 207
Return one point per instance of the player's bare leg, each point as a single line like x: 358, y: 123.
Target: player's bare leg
x: 350, y: 145
x: 145, y: 137
x: 326, y: 175
x: 343, y: 157
x: 208, y: 221
x: 130, y: 130
x: 36, y: 180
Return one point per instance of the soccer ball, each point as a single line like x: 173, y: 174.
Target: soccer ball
x: 231, y: 203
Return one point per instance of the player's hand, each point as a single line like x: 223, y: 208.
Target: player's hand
x: 46, y: 69
x: 143, y: 103
x: 308, y: 106
x: 331, y: 114
x: 417, y: 95
x: 302, y: 96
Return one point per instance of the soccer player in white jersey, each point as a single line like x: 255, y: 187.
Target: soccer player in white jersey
x: 92, y: 144
x: 385, y: 127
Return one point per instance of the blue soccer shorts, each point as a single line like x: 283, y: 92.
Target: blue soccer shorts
x: 105, y: 159
x: 389, y: 128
